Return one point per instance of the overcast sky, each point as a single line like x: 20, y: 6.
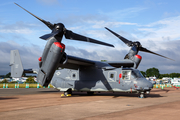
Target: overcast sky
x: 155, y: 23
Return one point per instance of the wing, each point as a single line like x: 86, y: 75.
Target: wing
x: 124, y: 63
x: 76, y: 62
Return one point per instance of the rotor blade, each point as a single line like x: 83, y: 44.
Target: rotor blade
x: 48, y: 24
x: 47, y: 36
x: 73, y: 36
x: 127, y: 42
x: 148, y: 51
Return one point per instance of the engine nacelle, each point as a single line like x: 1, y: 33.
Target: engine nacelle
x: 137, y: 60
x: 50, y: 62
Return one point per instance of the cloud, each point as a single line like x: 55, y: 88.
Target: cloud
x: 148, y: 60
x: 124, y: 13
x: 101, y: 24
x: 29, y: 55
x: 19, y: 27
x: 163, y: 64
x: 162, y: 30
x: 92, y: 21
x: 158, y: 36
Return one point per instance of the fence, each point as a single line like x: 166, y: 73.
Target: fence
x: 164, y: 85
x: 24, y: 85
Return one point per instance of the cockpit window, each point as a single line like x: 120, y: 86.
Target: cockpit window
x: 126, y: 74
x: 136, y: 74
x: 131, y: 74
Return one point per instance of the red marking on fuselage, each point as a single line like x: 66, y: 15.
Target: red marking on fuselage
x: 120, y: 75
x: 40, y: 59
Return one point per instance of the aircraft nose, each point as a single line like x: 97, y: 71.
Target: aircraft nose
x: 149, y: 84
x: 153, y: 82
x: 145, y: 85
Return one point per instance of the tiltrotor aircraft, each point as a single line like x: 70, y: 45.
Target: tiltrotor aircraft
x: 70, y: 73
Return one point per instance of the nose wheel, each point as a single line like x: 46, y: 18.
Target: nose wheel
x: 142, y: 95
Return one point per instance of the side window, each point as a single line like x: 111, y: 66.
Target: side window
x: 126, y: 74
x: 73, y: 75
x: 112, y: 76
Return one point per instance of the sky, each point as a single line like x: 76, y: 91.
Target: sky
x: 154, y: 23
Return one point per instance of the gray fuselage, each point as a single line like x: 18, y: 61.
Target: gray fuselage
x: 116, y: 80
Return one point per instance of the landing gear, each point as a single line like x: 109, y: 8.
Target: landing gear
x: 67, y: 93
x: 142, y: 95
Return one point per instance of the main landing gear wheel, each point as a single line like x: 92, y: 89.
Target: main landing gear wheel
x: 67, y: 93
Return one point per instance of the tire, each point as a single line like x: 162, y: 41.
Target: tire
x: 141, y: 95
x: 65, y: 93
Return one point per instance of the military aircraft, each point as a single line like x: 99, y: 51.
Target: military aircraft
x: 70, y: 73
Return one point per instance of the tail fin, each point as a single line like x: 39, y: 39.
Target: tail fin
x: 16, y: 64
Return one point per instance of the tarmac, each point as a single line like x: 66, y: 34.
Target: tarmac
x: 47, y: 104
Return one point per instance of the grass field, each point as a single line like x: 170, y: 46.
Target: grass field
x: 13, y: 85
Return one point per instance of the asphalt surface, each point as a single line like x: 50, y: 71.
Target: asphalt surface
x: 25, y: 91
x: 47, y: 104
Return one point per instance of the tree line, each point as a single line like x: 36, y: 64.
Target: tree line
x: 151, y: 72
x: 30, y: 79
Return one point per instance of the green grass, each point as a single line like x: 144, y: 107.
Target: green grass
x: 12, y: 85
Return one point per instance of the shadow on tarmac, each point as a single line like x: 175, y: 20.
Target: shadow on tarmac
x: 114, y: 95
x: 7, y: 98
x: 52, y: 91
x: 161, y: 90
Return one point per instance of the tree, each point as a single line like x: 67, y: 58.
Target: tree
x: 30, y: 80
x: 24, y: 74
x: 103, y: 60
x: 171, y: 75
x: 152, y: 72
x: 4, y: 81
x: 14, y: 82
x: 8, y: 75
x: 143, y: 73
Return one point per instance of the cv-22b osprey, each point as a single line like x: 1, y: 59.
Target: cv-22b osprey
x: 79, y: 74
